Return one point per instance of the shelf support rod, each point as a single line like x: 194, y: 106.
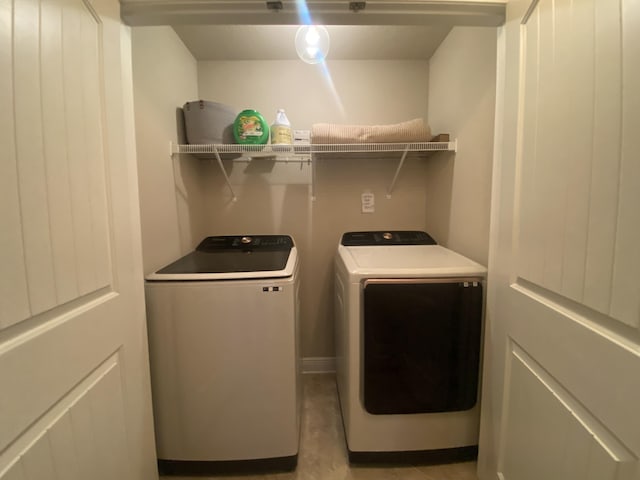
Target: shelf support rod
x: 395, y: 177
x: 226, y: 177
x: 313, y: 176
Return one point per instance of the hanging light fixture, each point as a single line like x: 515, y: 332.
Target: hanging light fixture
x: 312, y: 43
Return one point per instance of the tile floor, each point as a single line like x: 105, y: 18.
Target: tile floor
x: 323, y: 454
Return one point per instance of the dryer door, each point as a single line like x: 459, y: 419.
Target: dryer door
x: 421, y: 341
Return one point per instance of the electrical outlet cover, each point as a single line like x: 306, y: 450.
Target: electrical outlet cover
x: 368, y: 202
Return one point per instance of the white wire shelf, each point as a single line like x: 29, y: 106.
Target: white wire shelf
x: 309, y: 149
x: 310, y: 152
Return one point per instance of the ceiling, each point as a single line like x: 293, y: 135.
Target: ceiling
x: 275, y: 42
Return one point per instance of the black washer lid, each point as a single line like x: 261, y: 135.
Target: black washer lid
x: 234, y: 254
x: 391, y: 237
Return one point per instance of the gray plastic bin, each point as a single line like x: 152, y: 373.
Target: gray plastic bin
x: 208, y: 122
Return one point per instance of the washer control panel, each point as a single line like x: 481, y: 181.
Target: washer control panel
x: 245, y: 242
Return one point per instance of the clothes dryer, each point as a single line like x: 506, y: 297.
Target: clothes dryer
x: 223, y: 336
x: 408, y: 325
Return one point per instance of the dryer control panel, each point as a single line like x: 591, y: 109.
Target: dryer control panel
x: 391, y: 237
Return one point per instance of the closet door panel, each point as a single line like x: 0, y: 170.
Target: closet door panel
x: 54, y: 206
x: 38, y: 461
x: 65, y: 461
x: 605, y: 174
x: 561, y: 388
x: 92, y: 119
x: 579, y: 179
x: 531, y: 234
x: 552, y: 152
x: 15, y: 472
x: 75, y: 397
x: 56, y: 154
x: 32, y: 175
x: 78, y: 158
x: 625, y: 289
x: 14, y: 296
x: 579, y: 73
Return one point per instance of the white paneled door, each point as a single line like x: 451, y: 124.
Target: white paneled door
x: 74, y: 384
x: 562, y: 354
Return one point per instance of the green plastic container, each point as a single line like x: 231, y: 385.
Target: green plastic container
x: 250, y: 128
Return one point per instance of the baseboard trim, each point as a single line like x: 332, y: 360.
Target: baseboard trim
x: 318, y: 365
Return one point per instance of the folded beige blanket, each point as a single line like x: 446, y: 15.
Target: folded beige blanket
x: 412, y: 131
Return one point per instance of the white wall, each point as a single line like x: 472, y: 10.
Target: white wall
x: 348, y: 91
x: 164, y: 78
x: 462, y: 75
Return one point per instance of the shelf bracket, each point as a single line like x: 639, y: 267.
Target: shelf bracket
x: 226, y: 177
x: 395, y: 177
x: 175, y: 149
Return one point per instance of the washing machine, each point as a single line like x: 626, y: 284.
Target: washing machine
x: 408, y: 327
x: 224, y: 354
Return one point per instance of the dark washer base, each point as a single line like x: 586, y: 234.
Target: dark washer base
x: 417, y: 457
x: 183, y: 467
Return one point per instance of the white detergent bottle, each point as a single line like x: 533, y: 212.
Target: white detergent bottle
x: 281, y: 129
